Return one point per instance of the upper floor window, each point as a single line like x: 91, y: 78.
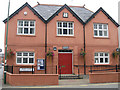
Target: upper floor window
x: 101, y: 58
x: 65, y: 28
x: 65, y: 15
x: 100, y: 30
x: 25, y: 57
x: 25, y: 27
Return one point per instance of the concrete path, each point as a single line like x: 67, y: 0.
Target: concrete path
x: 74, y: 82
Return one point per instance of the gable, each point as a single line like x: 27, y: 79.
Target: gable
x: 25, y: 5
x: 105, y: 13
x: 71, y: 11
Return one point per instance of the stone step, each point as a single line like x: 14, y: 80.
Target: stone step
x: 69, y: 76
x: 85, y: 76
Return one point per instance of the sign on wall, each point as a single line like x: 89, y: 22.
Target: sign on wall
x: 65, y: 47
x: 40, y: 64
x: 26, y: 69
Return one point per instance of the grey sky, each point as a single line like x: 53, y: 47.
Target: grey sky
x: 110, y: 6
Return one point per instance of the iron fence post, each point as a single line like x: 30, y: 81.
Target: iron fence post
x: 91, y: 68
x: 116, y: 69
x: 12, y: 69
x: 56, y: 69
x: 78, y: 72
x: 60, y: 71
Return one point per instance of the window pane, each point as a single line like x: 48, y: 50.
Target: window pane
x: 20, y: 23
x: 26, y: 23
x: 25, y: 60
x: 95, y: 26
x: 19, y: 60
x: 20, y: 30
x: 25, y: 30
x: 96, y: 54
x: 101, y: 60
x: 105, y: 26
x: 31, y: 60
x: 101, y: 54
x: 95, y: 33
x: 59, y: 31
x: 25, y: 54
x: 70, y: 25
x: 71, y: 31
x: 59, y: 24
x: 19, y: 54
x: 106, y: 60
x: 31, y: 54
x: 65, y: 14
x: 100, y: 33
x: 32, y: 23
x: 64, y: 24
x: 106, y: 54
x: 41, y: 62
x: 100, y: 26
x: 31, y: 30
x: 64, y: 31
x: 105, y: 33
x: 96, y: 60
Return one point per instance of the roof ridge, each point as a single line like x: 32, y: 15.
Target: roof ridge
x: 89, y: 10
x: 57, y: 5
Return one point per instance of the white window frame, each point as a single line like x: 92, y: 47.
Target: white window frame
x: 25, y: 57
x: 25, y: 27
x: 101, y: 57
x: 101, y: 30
x: 65, y: 28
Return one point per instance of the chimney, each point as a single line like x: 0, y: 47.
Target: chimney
x: 38, y: 3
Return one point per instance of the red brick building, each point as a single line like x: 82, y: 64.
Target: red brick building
x: 64, y: 30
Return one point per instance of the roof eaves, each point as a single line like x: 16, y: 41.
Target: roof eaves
x: 109, y: 17
x: 18, y: 10
x: 71, y: 11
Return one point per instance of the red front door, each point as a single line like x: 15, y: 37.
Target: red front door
x: 65, y: 63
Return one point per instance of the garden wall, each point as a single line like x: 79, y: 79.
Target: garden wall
x: 31, y: 79
x: 105, y: 77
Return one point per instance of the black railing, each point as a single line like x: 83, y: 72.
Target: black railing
x: 31, y: 69
x: 114, y: 68
x: 95, y: 68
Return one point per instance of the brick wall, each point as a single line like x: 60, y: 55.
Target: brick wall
x: 104, y: 77
x: 32, y: 79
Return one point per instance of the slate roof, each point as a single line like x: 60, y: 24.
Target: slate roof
x: 46, y: 11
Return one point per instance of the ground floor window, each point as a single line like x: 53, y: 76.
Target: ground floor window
x: 101, y: 58
x: 25, y: 57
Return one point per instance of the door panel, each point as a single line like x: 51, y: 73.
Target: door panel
x: 65, y: 62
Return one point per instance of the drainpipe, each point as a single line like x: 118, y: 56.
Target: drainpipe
x: 45, y: 45
x: 84, y: 50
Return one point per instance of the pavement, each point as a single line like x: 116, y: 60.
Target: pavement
x: 1, y: 76
x: 76, y: 83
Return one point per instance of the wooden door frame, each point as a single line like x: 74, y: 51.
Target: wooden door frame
x: 66, y: 52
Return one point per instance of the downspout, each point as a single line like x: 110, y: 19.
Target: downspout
x: 84, y: 49
x: 45, y: 46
